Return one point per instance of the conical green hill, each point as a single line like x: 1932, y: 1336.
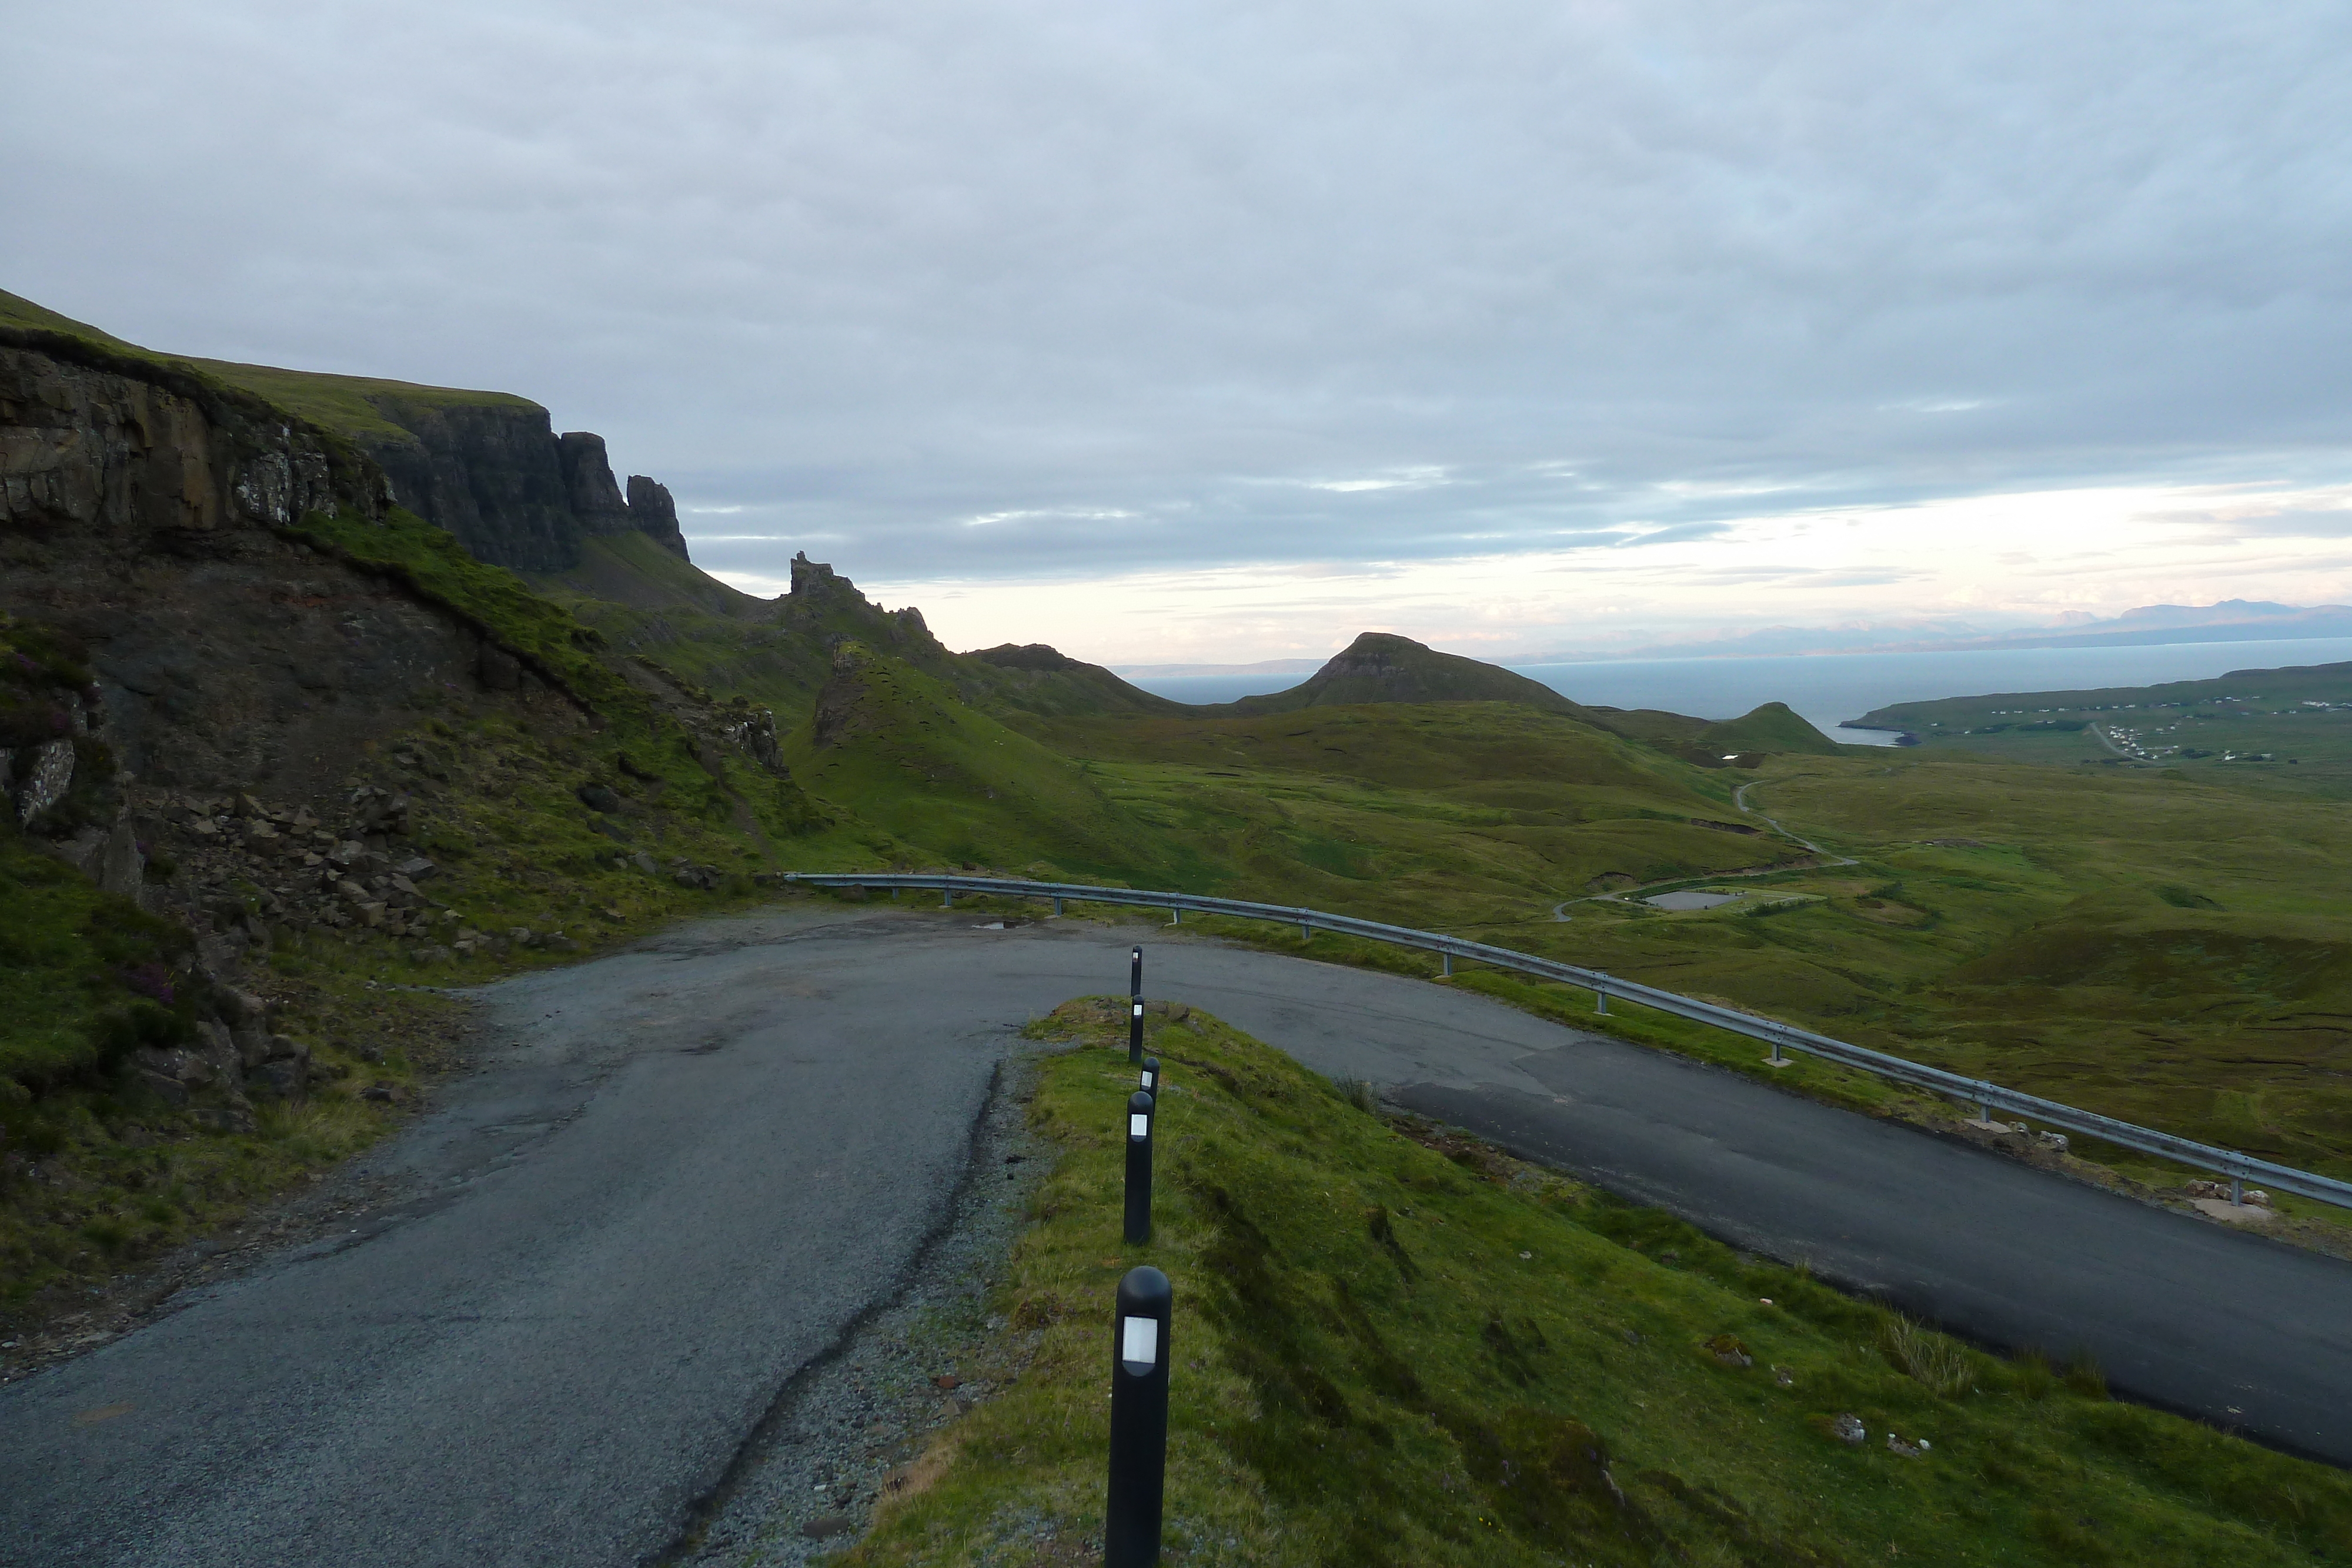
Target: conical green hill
x: 1773, y: 727
x: 1380, y: 668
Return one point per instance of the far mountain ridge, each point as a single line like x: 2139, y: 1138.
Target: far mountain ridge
x: 2227, y: 620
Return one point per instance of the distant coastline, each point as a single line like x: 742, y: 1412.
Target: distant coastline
x: 1830, y: 690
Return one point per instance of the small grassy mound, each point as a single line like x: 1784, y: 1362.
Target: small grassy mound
x: 1393, y: 1346
x: 1773, y: 727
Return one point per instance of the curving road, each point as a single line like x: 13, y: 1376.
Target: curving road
x: 690, y: 1167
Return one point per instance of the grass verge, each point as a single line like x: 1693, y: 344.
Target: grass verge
x: 1395, y: 1346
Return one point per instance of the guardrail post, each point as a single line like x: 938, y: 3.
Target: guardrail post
x: 947, y: 898
x: 1134, y: 1008
x: 1057, y: 906
x: 1776, y: 1059
x: 1175, y: 914
x: 1449, y: 962
x: 1138, y: 1168
x: 1600, y: 995
x: 1139, y: 1420
x: 1305, y: 934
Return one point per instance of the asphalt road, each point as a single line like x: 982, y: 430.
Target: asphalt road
x: 692, y: 1166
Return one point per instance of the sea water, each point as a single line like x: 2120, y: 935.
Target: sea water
x: 1830, y: 688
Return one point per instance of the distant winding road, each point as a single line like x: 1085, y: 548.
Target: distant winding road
x: 691, y: 1165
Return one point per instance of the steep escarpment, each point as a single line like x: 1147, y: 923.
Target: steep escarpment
x: 224, y: 631
x: 492, y: 476
x: 150, y: 517
x: 495, y: 474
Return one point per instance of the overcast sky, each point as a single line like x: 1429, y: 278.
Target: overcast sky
x: 1221, y: 331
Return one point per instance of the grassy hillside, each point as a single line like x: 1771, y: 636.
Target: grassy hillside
x: 632, y: 571
x: 1768, y: 730
x: 1771, y: 728
x: 1438, y: 814
x: 2287, y: 728
x: 15, y: 310
x: 1378, y: 667
x: 1038, y: 679
x: 2162, y: 950
x: 893, y: 746
x: 338, y: 403
x: 351, y: 404
x: 1390, y: 1346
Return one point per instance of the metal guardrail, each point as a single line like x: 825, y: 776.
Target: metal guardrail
x: 1779, y: 1037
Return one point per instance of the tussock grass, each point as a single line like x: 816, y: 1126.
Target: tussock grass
x: 1393, y: 1345
x: 1928, y: 1359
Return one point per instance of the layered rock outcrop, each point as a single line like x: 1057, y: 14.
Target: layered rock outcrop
x: 514, y: 492
x: 145, y: 516
x: 654, y: 514
x: 490, y: 475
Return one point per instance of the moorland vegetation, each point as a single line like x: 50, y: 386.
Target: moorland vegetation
x: 2162, y: 942
x: 1398, y: 1346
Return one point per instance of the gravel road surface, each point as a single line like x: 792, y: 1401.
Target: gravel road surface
x: 686, y: 1170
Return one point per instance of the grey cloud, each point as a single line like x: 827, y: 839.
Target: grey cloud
x: 867, y: 273
x: 2329, y: 524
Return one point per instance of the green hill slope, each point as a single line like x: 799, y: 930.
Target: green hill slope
x: 1039, y: 679
x: 893, y: 747
x: 15, y: 310
x: 344, y: 404
x: 1769, y: 730
x: 634, y: 572
x: 1391, y: 1346
x: 1378, y: 667
x: 1432, y: 814
x: 1773, y: 729
x: 2282, y: 728
x: 356, y: 407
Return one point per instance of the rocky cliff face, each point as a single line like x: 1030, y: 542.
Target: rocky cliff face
x: 144, y: 521
x: 654, y: 514
x: 597, y: 502
x: 89, y: 443
x: 141, y: 514
x: 516, y: 494
x: 176, y: 658
x: 492, y: 476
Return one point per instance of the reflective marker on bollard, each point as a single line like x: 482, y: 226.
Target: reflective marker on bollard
x: 1138, y: 1167
x: 1134, y: 1008
x: 1151, y: 1078
x: 1139, y: 1420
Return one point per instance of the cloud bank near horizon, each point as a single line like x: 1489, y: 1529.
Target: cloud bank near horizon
x: 1054, y: 297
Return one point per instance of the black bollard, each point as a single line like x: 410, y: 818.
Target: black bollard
x: 1139, y: 1420
x: 1134, y: 1008
x: 1151, y: 1078
x: 1138, y: 1167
